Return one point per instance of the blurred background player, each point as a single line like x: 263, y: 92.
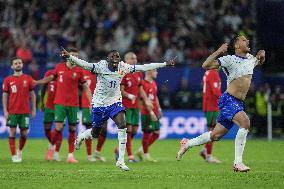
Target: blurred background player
x: 19, y: 87
x: 107, y: 99
x: 47, y: 101
x: 150, y: 116
x: 211, y: 94
x: 68, y: 77
x: 238, y: 67
x: 91, y: 81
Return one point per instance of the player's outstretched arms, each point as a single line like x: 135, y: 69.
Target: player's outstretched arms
x: 152, y: 66
x: 44, y: 80
x: 76, y: 61
x: 260, y: 57
x: 211, y: 62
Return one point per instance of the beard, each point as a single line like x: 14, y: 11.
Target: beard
x: 18, y: 69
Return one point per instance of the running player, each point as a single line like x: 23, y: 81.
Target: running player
x: 211, y: 94
x: 107, y: 96
x: 48, y: 116
x: 150, y: 117
x: 19, y: 87
x: 239, y: 69
x: 68, y: 77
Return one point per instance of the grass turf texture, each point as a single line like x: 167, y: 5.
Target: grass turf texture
x: 266, y: 160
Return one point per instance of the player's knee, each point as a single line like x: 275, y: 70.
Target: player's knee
x: 103, y: 132
x: 216, y: 136
x: 121, y: 125
x: 246, y: 124
x: 147, y: 130
x: 72, y: 128
x: 95, y: 132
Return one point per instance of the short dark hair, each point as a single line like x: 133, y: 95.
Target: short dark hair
x: 112, y: 51
x: 231, y: 47
x: 14, y: 58
x: 73, y: 49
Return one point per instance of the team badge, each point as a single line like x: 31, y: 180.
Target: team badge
x: 74, y: 75
x: 25, y: 83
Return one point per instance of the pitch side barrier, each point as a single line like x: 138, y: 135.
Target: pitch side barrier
x: 174, y: 125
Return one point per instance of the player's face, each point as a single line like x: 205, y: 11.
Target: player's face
x: 131, y: 59
x: 243, y: 44
x: 76, y: 54
x: 114, y: 59
x: 154, y: 74
x: 17, y: 65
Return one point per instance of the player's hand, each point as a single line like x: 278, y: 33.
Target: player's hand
x: 33, y: 113
x: 153, y: 116
x: 223, y: 48
x: 171, y: 62
x: 6, y: 115
x: 260, y: 54
x: 149, y: 104
x: 64, y: 53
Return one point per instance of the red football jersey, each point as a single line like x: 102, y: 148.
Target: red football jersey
x: 67, y: 82
x: 50, y: 91
x: 18, y: 88
x: 150, y: 89
x: 131, y: 83
x: 91, y: 80
x: 211, y: 90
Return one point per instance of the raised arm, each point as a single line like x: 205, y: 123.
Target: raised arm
x: 152, y: 66
x: 211, y: 62
x: 76, y: 61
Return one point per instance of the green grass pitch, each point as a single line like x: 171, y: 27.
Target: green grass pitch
x: 266, y: 160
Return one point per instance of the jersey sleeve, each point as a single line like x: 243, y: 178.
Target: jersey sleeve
x: 253, y: 59
x: 126, y: 68
x: 81, y: 63
x: 215, y: 84
x: 98, y: 67
x: 6, y: 86
x: 82, y: 79
x: 225, y: 61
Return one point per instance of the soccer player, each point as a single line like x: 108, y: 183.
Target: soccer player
x: 19, y: 87
x: 68, y: 77
x: 107, y: 96
x: 130, y: 95
x: 211, y: 94
x: 91, y: 81
x: 239, y: 68
x: 150, y: 116
x: 48, y: 117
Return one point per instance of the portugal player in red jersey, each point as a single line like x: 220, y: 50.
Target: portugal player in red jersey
x: 130, y: 93
x: 18, y: 87
x: 211, y: 94
x: 150, y: 116
x: 68, y: 77
x: 49, y: 90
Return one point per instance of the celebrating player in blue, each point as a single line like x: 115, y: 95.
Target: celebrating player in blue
x: 107, y: 99
x: 238, y: 68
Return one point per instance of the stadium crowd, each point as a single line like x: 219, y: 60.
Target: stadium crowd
x: 156, y: 30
